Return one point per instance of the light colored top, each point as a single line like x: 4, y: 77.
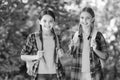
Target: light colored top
x: 85, y: 49
x: 49, y: 67
x: 86, y: 55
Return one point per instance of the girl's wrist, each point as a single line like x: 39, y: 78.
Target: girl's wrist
x: 60, y: 52
x: 94, y: 49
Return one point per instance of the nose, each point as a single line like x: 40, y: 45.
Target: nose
x: 47, y: 23
x: 84, y: 20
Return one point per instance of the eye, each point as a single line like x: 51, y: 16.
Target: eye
x: 88, y: 18
x: 44, y: 21
x: 51, y: 21
x: 82, y: 17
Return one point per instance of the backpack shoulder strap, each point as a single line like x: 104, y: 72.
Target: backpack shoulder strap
x: 38, y: 42
x: 56, y: 38
x: 93, y: 35
x: 57, y: 42
x: 75, y: 37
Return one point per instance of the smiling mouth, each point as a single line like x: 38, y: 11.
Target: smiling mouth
x: 85, y: 23
x: 48, y: 26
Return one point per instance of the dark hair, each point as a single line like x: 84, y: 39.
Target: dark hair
x: 89, y: 10
x: 47, y: 12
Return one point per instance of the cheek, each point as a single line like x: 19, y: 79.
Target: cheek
x: 80, y: 21
x: 52, y: 24
x: 42, y: 23
x: 91, y: 20
x: 88, y: 21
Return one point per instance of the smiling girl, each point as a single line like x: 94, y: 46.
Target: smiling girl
x: 89, y: 47
x: 49, y: 53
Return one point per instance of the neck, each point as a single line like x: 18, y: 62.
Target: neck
x: 47, y: 33
x: 86, y: 31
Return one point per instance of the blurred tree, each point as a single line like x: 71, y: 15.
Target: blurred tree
x: 112, y: 14
x: 12, y: 20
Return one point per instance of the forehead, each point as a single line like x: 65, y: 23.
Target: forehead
x: 86, y: 14
x: 47, y: 17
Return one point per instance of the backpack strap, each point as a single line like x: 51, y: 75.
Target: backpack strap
x: 93, y: 35
x: 57, y: 46
x: 39, y: 41
x: 41, y: 37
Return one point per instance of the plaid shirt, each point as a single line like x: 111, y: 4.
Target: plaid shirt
x: 95, y: 65
x: 30, y: 48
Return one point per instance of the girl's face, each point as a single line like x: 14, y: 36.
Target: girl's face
x: 86, y: 19
x: 47, y: 22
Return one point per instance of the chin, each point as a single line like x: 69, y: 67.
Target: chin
x: 86, y: 25
x: 48, y: 29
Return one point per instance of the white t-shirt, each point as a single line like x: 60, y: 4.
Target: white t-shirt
x: 49, y: 67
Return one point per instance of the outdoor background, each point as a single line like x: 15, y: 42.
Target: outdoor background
x: 18, y: 18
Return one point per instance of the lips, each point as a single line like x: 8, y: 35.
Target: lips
x: 84, y: 23
x: 48, y: 26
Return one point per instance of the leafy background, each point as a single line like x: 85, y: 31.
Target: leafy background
x: 18, y: 18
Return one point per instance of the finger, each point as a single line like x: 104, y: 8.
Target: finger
x: 41, y: 51
x: 71, y: 42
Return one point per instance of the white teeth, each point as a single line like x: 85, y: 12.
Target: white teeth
x: 47, y: 26
x: 85, y: 23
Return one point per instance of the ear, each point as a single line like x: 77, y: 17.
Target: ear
x: 55, y: 23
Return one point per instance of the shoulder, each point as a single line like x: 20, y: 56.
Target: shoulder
x: 31, y: 36
x: 34, y: 34
x: 100, y: 35
x: 97, y: 34
x: 100, y: 38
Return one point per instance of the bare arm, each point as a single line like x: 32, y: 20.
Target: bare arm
x: 29, y: 57
x: 26, y: 51
x: 32, y: 57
